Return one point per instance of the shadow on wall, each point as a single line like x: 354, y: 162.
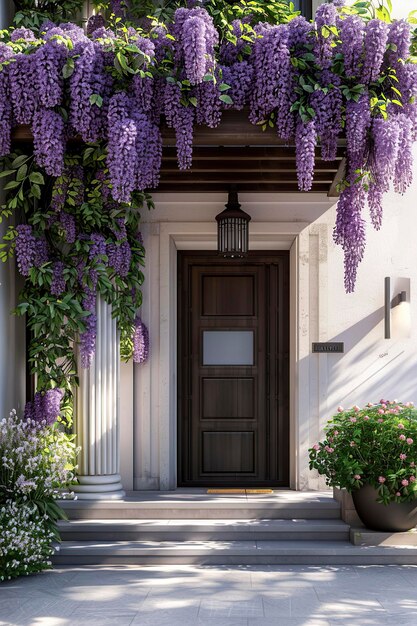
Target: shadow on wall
x: 378, y: 370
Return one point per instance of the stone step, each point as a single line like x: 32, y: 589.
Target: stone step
x: 204, y: 530
x: 366, y: 537
x: 189, y: 504
x: 230, y: 553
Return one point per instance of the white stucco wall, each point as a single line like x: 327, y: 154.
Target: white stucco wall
x: 371, y: 366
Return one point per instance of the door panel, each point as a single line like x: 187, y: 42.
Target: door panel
x: 233, y: 370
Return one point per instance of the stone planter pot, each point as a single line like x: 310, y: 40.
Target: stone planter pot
x: 394, y: 517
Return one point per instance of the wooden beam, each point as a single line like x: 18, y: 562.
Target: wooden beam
x: 258, y: 187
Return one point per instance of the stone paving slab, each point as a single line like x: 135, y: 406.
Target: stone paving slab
x: 213, y: 596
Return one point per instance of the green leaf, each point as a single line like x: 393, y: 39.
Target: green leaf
x: 193, y: 101
x: 36, y: 177
x: 68, y: 68
x: 5, y: 173
x: 12, y: 185
x: 226, y: 99
x: 36, y: 191
x: 224, y: 87
x: 96, y: 99
x: 19, y: 161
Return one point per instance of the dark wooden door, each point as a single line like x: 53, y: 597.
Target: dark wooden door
x: 233, y: 397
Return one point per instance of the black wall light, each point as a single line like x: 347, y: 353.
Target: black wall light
x: 390, y: 303
x: 233, y: 229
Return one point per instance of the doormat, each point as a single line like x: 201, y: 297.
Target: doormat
x: 240, y: 491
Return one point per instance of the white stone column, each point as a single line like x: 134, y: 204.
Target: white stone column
x: 97, y: 415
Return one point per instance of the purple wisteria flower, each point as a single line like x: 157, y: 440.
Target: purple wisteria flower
x: 208, y: 110
x: 229, y: 52
x: 45, y: 407
x: 48, y: 62
x: 326, y: 15
x: 403, y: 175
x: 181, y: 118
x: 117, y: 7
x: 49, y: 141
x: 193, y: 32
x: 327, y: 103
x: 305, y: 145
x: 41, y: 252
x: 5, y: 102
x: 382, y: 162
x: 122, y: 147
x: 97, y: 246
x: 352, y: 31
x: 376, y: 37
x: 398, y: 43
x: 349, y: 231
x: 140, y: 341
x: 22, y: 33
x: 195, y: 40
x: 88, y: 337
x: 300, y: 33
x: 95, y: 22
x: 240, y: 78
x: 148, y: 151
x: 58, y: 283
x: 25, y: 248
x: 23, y: 89
x: 143, y: 87
x: 67, y: 223
x: 80, y: 84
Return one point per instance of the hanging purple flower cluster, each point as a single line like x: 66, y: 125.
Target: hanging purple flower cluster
x: 181, y: 118
x: 5, y: 101
x: 195, y: 41
x: 49, y: 140
x: 134, y: 149
x: 25, y: 244
x: 45, y: 407
x: 327, y: 103
x: 305, y: 144
x: 140, y: 341
x: 326, y: 15
x: 376, y: 37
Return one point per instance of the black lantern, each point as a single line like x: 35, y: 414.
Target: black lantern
x: 233, y: 229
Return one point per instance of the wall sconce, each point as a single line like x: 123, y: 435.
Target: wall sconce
x: 233, y: 229
x: 399, y: 300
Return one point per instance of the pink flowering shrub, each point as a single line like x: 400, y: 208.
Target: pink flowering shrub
x: 376, y: 445
x: 37, y: 467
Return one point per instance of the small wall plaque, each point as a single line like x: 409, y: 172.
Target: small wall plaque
x: 329, y: 347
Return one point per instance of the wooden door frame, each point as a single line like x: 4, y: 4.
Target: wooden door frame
x: 210, y: 259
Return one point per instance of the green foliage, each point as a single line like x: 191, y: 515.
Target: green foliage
x: 32, y: 15
x: 376, y: 445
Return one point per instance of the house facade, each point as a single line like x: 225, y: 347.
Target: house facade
x: 232, y: 393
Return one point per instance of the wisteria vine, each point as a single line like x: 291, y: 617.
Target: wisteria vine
x: 84, y: 244
x: 115, y: 85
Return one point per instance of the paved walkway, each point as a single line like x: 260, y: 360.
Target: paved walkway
x: 216, y: 596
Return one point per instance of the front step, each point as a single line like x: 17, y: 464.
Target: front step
x: 230, y: 553
x: 199, y: 505
x: 193, y: 527
x: 204, y: 530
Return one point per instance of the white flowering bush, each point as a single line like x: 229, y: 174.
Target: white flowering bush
x: 25, y: 540
x: 37, y: 467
